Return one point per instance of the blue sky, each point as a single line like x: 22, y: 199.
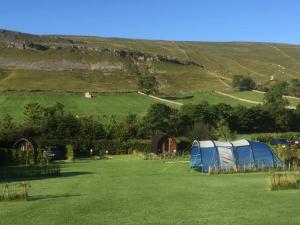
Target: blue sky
x: 196, y: 20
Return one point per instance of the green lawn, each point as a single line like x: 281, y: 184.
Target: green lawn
x: 259, y: 97
x: 249, y: 95
x: 210, y: 97
x: 113, y: 104
x: 104, y: 104
x: 126, y: 190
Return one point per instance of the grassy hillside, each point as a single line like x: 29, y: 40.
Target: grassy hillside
x: 126, y: 190
x: 210, y: 97
x: 110, y: 104
x: 110, y: 64
x: 259, y: 97
x: 104, y: 104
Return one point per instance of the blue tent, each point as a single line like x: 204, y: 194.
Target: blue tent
x: 236, y: 155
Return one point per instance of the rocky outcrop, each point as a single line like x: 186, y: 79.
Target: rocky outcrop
x: 23, y: 41
x: 107, y: 66
x: 59, y: 65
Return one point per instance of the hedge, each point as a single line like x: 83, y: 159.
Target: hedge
x: 117, y: 147
x: 268, y: 137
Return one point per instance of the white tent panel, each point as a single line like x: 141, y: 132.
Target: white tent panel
x: 206, y: 144
x: 239, y: 143
x: 222, y: 144
x: 226, y: 157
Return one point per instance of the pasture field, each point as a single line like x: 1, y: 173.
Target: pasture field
x: 119, y: 105
x: 249, y: 95
x: 259, y: 97
x: 127, y: 190
x: 210, y: 97
x: 105, y: 104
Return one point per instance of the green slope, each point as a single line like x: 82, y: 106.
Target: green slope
x: 76, y: 63
x: 210, y: 97
x: 101, y: 104
x: 110, y: 104
x: 259, y: 97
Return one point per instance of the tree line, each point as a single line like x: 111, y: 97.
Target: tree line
x: 200, y: 121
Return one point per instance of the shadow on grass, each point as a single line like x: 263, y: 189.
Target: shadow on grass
x: 61, y: 175
x: 80, y: 160
x: 178, y: 97
x: 46, y: 197
x: 74, y: 173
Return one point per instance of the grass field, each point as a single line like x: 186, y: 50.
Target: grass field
x: 126, y: 190
x: 114, y: 104
x: 259, y: 97
x: 210, y: 97
x: 249, y: 95
x: 102, y: 104
x: 110, y: 104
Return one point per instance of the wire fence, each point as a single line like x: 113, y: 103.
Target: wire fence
x: 29, y: 171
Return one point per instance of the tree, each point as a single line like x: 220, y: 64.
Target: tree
x: 273, y: 98
x: 129, y: 128
x: 68, y: 127
x: 250, y: 120
x: 6, y: 128
x: 276, y: 104
x: 33, y: 113
x: 222, y: 110
x: 50, y: 121
x: 202, y: 112
x: 90, y: 130
x: 201, y: 131
x: 295, y: 87
x: 148, y: 85
x: 157, y: 118
x: 243, y: 83
x: 222, y: 131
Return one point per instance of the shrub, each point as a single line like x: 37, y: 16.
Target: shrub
x: 14, y: 191
x: 243, y: 83
x: 290, y: 155
x: 117, y: 147
x: 22, y: 157
x: 70, y: 152
x: 151, y: 156
x: 282, y: 181
x: 4, y: 156
x: 268, y: 137
x: 40, y: 156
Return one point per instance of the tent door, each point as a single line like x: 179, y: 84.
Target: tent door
x: 226, y: 158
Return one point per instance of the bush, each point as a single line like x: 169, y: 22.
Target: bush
x: 117, y: 147
x: 22, y: 157
x: 70, y: 152
x: 290, y: 155
x: 268, y: 137
x: 4, y: 156
x: 40, y: 156
x: 282, y: 181
x: 14, y: 191
x: 243, y: 83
